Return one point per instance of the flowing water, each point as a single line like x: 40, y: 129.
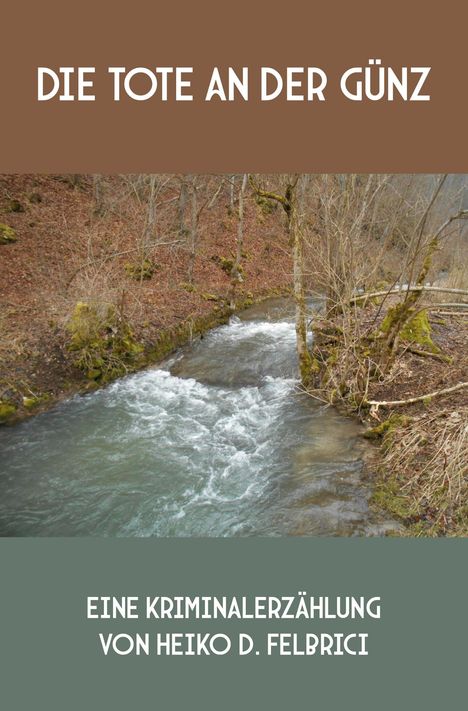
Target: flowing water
x: 218, y: 441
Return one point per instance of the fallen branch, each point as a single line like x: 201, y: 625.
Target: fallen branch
x: 404, y: 290
x: 451, y: 313
x: 420, y: 398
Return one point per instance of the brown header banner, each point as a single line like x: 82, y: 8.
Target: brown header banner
x: 211, y: 86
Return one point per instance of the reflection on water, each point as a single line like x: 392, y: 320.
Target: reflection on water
x: 217, y: 442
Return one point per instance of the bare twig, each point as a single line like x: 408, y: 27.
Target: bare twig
x: 403, y: 290
x: 419, y: 398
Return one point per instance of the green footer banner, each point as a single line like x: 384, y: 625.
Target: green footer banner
x: 230, y: 624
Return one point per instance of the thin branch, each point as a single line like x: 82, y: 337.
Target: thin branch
x: 403, y: 290
x: 265, y: 193
x: 420, y: 398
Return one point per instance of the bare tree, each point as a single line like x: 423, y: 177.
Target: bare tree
x: 197, y: 208
x: 182, y: 204
x: 98, y: 192
x: 295, y: 228
x: 236, y: 273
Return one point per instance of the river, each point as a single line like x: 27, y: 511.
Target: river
x: 216, y: 441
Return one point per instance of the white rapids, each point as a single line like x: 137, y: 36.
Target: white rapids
x: 218, y: 441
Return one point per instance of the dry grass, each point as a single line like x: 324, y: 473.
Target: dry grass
x: 431, y: 453
x: 11, y: 344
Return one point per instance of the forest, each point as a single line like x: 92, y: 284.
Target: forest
x: 103, y: 276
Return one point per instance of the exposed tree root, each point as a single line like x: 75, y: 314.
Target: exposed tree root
x: 428, y: 354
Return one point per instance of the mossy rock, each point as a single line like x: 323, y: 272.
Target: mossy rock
x: 386, y: 427
x: 104, y: 343
x: 33, y: 401
x: 141, y: 270
x: 7, y: 410
x: 187, y: 287
x: 227, y: 265
x: 7, y: 234
x: 84, y: 325
x: 94, y: 374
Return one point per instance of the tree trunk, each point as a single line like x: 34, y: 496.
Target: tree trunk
x: 294, y: 227
x: 236, y: 276
x: 193, y: 234
x: 231, y: 195
x: 295, y: 230
x: 181, y: 206
x: 98, y: 193
x: 151, y: 216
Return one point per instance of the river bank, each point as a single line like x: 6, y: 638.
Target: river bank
x: 417, y: 423
x: 65, y: 380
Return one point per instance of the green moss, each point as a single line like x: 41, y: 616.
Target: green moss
x: 305, y: 368
x: 386, y: 427
x: 168, y: 341
x: 30, y: 402
x: 141, y: 270
x: 227, y: 265
x: 315, y: 365
x: 355, y: 401
x: 393, y: 313
x: 104, y: 343
x: 7, y: 409
x: 94, y: 374
x: 266, y: 206
x: 387, y: 496
x: 418, y: 330
x: 7, y: 234
x: 187, y: 287
x: 209, y: 297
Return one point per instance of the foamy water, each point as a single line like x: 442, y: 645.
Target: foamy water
x: 217, y: 442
